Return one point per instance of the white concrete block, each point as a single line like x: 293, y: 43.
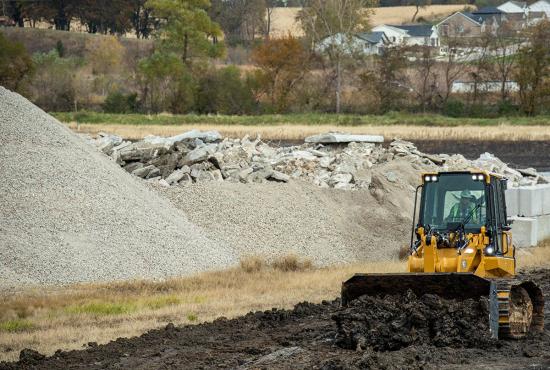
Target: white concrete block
x: 543, y: 227
x: 512, y: 201
x: 546, y: 199
x: 525, y: 231
x: 530, y: 201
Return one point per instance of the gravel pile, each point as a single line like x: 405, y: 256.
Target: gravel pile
x: 69, y: 214
x: 323, y: 224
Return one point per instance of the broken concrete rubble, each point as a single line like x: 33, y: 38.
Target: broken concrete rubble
x: 195, y: 157
x: 336, y: 137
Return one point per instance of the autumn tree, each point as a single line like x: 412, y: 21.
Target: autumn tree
x: 533, y: 68
x: 15, y: 64
x: 283, y: 63
x: 335, y: 22
x: 186, y: 28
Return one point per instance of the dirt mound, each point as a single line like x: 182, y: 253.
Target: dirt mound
x: 306, y: 337
x: 395, y: 322
x: 69, y: 214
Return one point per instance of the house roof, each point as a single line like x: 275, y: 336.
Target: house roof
x: 481, y: 17
x: 488, y: 10
x: 466, y: 15
x: 416, y: 30
x: 372, y: 37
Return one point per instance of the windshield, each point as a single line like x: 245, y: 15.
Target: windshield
x: 453, y: 199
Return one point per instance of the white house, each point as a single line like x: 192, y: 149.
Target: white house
x: 413, y: 34
x: 541, y: 6
x: 367, y: 43
x: 513, y: 7
x: 394, y: 34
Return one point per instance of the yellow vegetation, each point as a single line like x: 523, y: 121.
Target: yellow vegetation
x: 299, y: 132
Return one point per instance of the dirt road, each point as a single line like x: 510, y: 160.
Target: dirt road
x: 311, y: 336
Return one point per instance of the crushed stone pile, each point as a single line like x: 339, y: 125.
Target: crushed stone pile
x: 69, y: 214
x: 336, y: 162
x: 395, y: 322
x: 324, y: 225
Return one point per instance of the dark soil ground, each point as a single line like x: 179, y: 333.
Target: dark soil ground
x: 405, y: 332
x: 518, y: 154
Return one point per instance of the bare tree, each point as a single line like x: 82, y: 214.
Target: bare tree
x: 335, y: 23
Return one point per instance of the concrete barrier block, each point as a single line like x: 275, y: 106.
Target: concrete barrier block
x: 543, y: 227
x: 530, y: 201
x: 512, y: 202
x: 525, y: 231
x: 546, y: 199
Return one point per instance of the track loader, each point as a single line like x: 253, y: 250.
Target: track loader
x: 461, y: 247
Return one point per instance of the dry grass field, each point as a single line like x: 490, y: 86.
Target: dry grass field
x: 71, y: 317
x: 284, y: 19
x: 291, y: 132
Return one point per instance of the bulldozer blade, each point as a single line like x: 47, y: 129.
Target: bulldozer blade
x: 459, y: 286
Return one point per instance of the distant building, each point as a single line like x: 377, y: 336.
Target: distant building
x: 542, y: 7
x: 411, y: 34
x: 514, y: 7
x: 366, y: 43
x: 474, y: 24
x: 485, y: 86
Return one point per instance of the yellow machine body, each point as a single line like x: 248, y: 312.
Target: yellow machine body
x: 430, y: 258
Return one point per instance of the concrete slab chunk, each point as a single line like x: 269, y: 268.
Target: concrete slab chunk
x: 334, y: 137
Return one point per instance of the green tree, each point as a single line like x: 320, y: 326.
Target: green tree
x: 186, y: 28
x: 322, y: 20
x: 166, y: 83
x: 15, y: 64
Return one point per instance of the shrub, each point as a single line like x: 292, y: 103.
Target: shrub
x: 291, y: 262
x: 225, y: 92
x: 454, y: 108
x: 52, y: 86
x: 118, y: 102
x: 251, y: 264
x: 15, y: 64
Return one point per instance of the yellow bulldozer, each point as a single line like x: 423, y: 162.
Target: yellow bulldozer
x: 461, y: 248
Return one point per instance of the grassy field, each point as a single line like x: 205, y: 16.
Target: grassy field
x: 70, y: 317
x: 299, y: 126
x: 284, y: 19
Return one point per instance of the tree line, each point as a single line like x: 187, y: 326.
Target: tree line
x: 182, y: 73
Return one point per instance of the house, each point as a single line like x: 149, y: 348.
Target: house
x: 473, y: 24
x: 412, y: 34
x: 466, y: 87
x: 366, y: 43
x: 514, y: 7
x: 394, y: 34
x: 542, y: 7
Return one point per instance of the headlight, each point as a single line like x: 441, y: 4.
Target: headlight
x: 430, y: 178
x: 478, y: 177
x: 489, y: 250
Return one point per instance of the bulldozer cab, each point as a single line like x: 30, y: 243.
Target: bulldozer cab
x: 461, y: 202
